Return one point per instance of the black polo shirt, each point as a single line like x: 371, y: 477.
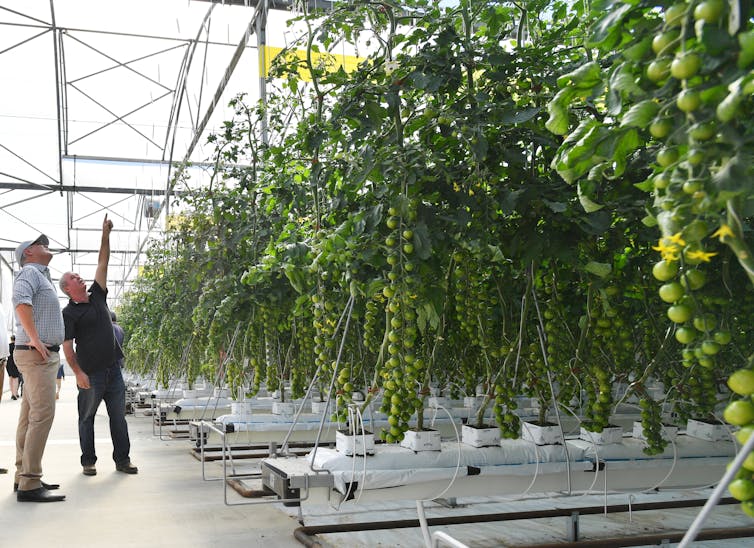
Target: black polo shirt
x: 90, y: 326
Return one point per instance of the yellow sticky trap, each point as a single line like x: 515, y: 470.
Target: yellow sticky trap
x: 326, y: 60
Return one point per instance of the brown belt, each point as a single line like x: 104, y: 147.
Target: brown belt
x: 53, y: 348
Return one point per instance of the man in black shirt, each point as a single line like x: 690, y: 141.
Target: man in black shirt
x: 95, y: 361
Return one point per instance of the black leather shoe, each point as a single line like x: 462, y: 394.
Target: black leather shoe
x: 48, y: 486
x: 38, y: 495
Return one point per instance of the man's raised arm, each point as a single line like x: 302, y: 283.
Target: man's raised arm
x: 100, y: 276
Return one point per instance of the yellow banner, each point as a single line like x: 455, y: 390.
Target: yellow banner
x: 328, y: 61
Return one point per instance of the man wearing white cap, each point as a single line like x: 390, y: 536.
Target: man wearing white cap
x: 39, y: 334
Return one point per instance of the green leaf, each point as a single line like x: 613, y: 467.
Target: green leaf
x: 518, y: 116
x: 716, y: 40
x: 496, y: 254
x: 645, y: 186
x: 574, y: 157
x: 557, y: 123
x: 637, y: 52
x: 598, y: 269
x: 586, y: 202
x: 640, y: 114
x: 584, y: 78
x: 557, y: 207
x: 734, y: 176
x: 623, y: 147
x: 649, y: 221
x: 608, y: 28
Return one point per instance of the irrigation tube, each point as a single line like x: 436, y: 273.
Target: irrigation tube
x: 690, y: 535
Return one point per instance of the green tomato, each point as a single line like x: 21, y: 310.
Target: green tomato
x: 685, y: 335
x: 685, y: 66
x: 697, y: 229
x: 709, y: 11
x: 742, y: 489
x: 675, y: 14
x: 680, y: 313
x: 688, y: 100
x: 739, y: 412
x: 658, y: 70
x: 710, y: 348
x: 661, y: 181
x: 747, y: 507
x: 695, y: 156
x: 746, y: 56
x: 706, y: 362
x: 705, y: 322
x: 722, y: 337
x: 742, y: 382
x: 663, y: 40
x: 691, y: 186
x: 665, y: 270
x: 667, y: 157
x: 660, y: 128
x: 694, y: 279
x: 703, y: 131
x: 745, y: 432
x: 671, y: 292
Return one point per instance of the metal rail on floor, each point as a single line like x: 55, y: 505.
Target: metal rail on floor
x: 306, y: 534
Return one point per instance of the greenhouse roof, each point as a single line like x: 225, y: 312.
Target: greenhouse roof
x: 101, y: 101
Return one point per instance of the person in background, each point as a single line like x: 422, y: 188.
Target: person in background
x: 119, y: 336
x: 59, y: 380
x: 95, y: 361
x: 14, y: 376
x: 3, y: 351
x: 39, y: 333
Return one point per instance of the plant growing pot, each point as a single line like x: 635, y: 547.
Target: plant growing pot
x: 241, y: 408
x: 610, y: 434
x: 424, y: 440
x: 669, y: 432
x: 546, y: 433
x: 707, y: 430
x: 354, y: 444
x: 480, y: 436
x: 283, y: 408
x: 319, y: 407
x: 438, y: 401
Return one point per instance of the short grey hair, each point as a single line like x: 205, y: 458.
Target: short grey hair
x: 63, y: 282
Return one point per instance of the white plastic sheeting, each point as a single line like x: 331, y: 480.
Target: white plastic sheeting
x: 394, y: 466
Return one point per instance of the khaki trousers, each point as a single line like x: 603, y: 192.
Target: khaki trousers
x: 35, y: 417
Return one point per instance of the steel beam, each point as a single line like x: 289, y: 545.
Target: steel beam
x: 95, y: 189
x: 275, y: 4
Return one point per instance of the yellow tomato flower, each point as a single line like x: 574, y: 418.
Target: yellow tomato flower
x: 723, y: 232
x: 669, y: 250
x: 677, y: 239
x: 701, y: 255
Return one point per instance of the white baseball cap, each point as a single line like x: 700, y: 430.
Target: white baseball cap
x: 42, y: 239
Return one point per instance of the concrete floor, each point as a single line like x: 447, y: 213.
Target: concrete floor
x: 167, y: 504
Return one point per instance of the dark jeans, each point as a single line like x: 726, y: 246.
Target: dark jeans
x: 105, y: 385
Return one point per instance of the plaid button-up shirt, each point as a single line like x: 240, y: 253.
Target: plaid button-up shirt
x: 34, y: 287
